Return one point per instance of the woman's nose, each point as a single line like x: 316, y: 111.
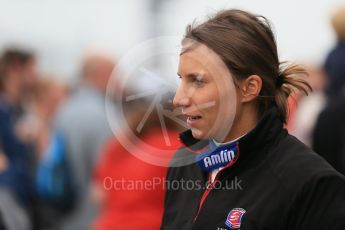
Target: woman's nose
x: 181, y: 98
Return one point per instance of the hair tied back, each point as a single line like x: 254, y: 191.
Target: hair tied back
x: 280, y: 80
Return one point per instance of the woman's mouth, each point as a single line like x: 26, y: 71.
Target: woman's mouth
x: 193, y: 120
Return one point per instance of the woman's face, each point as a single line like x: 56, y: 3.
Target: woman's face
x: 206, y: 94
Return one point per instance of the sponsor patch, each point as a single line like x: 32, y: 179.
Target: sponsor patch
x: 218, y: 157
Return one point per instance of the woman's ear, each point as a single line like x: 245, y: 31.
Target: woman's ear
x: 250, y: 88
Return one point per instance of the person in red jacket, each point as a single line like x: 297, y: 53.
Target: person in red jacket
x: 131, y: 191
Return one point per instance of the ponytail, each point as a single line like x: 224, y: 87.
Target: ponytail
x: 290, y: 79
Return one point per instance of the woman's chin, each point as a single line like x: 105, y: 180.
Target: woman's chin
x: 203, y: 135
x: 199, y: 134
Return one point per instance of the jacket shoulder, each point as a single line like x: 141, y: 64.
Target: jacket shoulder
x: 294, y: 164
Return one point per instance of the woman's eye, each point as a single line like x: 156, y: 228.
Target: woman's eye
x: 198, y: 81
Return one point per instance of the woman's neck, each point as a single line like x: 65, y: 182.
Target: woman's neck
x: 246, y: 119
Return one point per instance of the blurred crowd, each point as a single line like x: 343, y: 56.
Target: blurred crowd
x: 57, y: 148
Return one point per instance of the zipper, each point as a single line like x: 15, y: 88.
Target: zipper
x: 208, y: 190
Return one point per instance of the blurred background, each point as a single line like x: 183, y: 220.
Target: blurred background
x: 57, y: 148
x: 60, y: 31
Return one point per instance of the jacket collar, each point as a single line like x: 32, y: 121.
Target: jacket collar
x: 257, y: 140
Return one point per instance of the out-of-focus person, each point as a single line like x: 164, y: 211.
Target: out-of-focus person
x: 327, y: 82
x: 329, y: 132
x: 37, y: 128
x: 46, y: 96
x: 16, y: 187
x: 131, y: 191
x: 308, y: 109
x: 83, y: 124
x: 334, y: 64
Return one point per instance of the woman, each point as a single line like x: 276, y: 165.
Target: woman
x: 234, y: 92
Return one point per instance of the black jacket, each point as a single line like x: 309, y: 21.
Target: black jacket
x: 277, y: 183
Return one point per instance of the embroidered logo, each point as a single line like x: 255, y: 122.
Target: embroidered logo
x: 234, y: 218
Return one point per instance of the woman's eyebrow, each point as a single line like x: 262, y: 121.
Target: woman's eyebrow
x: 192, y: 75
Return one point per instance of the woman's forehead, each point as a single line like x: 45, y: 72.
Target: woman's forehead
x: 200, y: 58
